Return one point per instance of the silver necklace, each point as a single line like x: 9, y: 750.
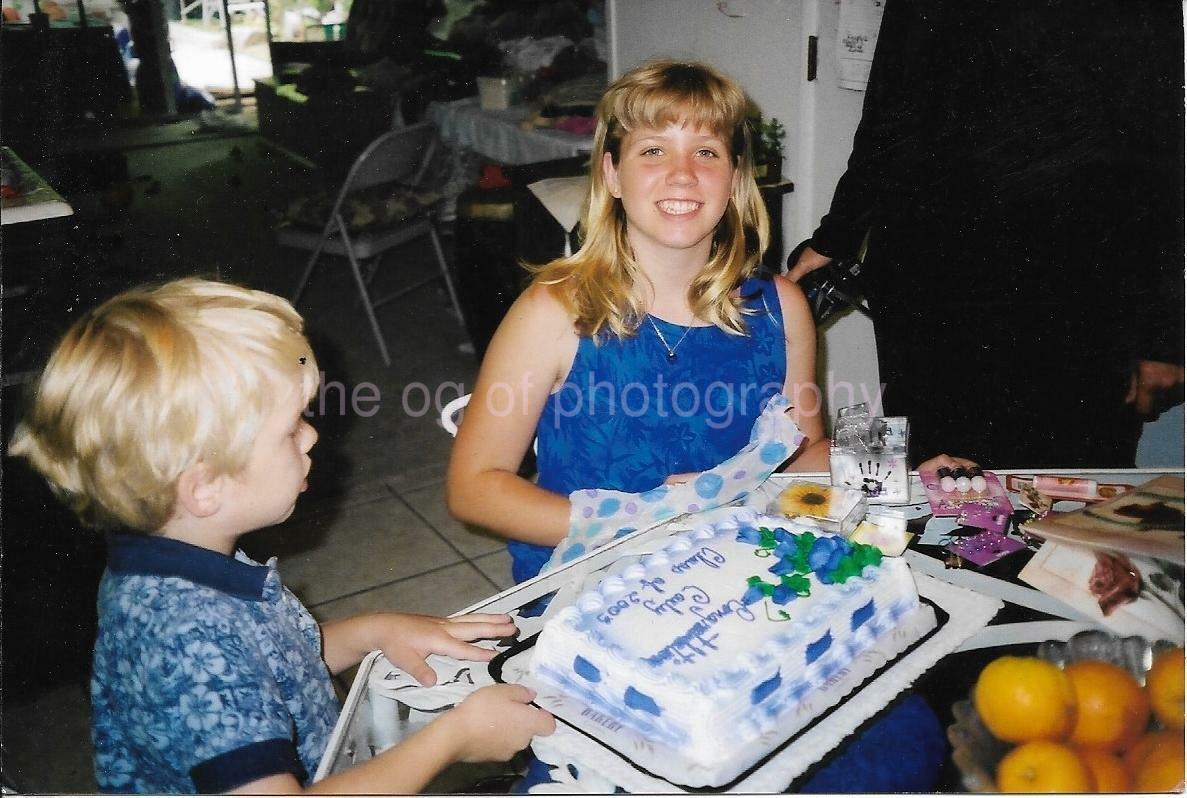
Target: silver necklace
x: 670, y: 349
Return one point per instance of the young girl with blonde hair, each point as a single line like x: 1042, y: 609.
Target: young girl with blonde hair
x: 649, y: 352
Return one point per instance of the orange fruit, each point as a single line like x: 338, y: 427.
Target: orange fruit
x: 1164, y: 685
x: 1136, y: 753
x: 1162, y: 768
x: 1112, y: 709
x: 1043, y: 766
x: 1024, y: 698
x: 1109, y: 773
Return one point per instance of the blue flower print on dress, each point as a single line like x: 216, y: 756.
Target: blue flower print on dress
x: 624, y: 419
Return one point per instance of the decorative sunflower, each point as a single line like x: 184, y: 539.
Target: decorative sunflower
x: 806, y: 498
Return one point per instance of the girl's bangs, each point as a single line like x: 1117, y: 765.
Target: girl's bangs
x: 675, y: 105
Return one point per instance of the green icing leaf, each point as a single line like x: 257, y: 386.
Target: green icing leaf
x: 797, y: 584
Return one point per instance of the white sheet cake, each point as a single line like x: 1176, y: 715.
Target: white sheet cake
x: 709, y: 645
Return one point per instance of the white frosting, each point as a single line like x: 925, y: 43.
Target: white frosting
x: 666, y: 646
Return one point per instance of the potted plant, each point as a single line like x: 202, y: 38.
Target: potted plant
x: 767, y: 139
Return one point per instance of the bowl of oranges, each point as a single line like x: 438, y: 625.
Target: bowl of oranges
x: 1097, y: 713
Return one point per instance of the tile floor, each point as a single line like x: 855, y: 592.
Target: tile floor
x: 373, y: 531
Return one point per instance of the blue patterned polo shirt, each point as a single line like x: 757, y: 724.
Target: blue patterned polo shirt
x: 207, y: 672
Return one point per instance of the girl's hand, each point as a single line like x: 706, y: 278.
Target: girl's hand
x: 495, y: 722
x: 680, y: 479
x: 407, y: 640
x: 945, y: 460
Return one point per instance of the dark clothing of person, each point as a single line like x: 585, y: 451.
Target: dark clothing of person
x: 1019, y: 168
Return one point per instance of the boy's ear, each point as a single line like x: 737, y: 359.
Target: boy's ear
x: 199, y: 492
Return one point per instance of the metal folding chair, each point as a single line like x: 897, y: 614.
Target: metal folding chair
x: 399, y: 158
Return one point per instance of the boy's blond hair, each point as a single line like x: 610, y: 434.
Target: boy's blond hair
x: 152, y: 381
x: 599, y: 283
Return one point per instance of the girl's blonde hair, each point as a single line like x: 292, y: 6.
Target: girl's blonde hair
x: 152, y: 381
x: 599, y: 283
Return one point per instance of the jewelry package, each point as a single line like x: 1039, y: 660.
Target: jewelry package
x: 869, y: 454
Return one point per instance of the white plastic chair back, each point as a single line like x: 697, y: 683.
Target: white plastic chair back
x: 451, y: 414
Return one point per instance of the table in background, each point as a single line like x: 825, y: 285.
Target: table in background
x: 496, y: 134
x: 36, y: 200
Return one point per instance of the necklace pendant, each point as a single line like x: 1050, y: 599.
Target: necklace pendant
x: 671, y: 357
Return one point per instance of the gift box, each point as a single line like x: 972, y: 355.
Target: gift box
x: 869, y: 454
x: 832, y: 508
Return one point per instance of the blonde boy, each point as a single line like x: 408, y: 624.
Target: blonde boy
x: 173, y: 416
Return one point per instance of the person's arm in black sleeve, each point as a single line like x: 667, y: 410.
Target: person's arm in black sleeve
x: 1153, y: 245
x: 884, y: 141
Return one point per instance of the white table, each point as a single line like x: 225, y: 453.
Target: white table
x: 371, y: 721
x: 36, y: 200
x: 496, y: 134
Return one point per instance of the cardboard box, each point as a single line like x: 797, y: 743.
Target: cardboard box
x: 497, y: 94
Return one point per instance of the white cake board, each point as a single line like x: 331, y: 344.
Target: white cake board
x: 598, y: 765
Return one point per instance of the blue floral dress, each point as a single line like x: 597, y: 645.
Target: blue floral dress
x: 628, y: 416
x: 207, y: 672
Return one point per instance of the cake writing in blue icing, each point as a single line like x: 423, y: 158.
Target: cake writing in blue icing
x: 711, y: 645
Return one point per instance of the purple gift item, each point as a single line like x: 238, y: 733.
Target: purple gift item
x: 986, y: 547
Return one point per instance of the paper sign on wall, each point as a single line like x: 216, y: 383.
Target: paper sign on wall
x: 857, y: 35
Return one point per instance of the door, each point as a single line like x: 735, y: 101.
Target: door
x: 847, y: 355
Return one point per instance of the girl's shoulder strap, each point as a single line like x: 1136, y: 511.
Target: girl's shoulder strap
x: 761, y: 296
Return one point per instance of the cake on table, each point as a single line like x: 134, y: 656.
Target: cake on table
x: 711, y: 646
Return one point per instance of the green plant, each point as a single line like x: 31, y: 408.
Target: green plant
x: 767, y: 138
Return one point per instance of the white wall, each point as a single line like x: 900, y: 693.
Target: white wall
x: 847, y: 355
x: 764, y: 47
x: 762, y: 50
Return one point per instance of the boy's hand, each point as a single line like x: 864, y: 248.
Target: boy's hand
x: 495, y: 722
x: 406, y: 640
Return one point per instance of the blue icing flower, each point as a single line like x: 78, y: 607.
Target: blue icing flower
x: 608, y: 507
x: 573, y: 552
x: 655, y: 494
x: 748, y: 534
x: 783, y: 594
x: 626, y: 530
x: 708, y: 485
x: 783, y: 566
x: 773, y: 452
x: 834, y: 559
x: 753, y: 595
x: 818, y: 557
x: 592, y: 530
x: 661, y: 513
